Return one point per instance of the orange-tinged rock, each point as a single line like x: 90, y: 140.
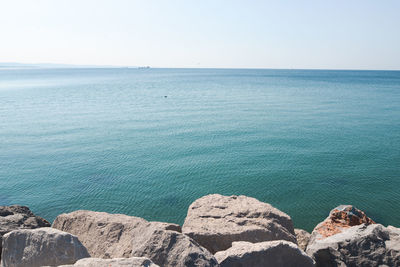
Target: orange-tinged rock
x: 340, y: 218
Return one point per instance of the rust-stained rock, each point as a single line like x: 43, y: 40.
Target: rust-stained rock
x: 339, y: 219
x: 360, y: 245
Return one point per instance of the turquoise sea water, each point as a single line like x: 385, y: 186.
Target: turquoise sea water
x: 148, y: 142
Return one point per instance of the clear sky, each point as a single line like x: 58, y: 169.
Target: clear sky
x: 331, y: 34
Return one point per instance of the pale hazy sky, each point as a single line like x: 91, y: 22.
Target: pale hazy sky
x: 331, y: 34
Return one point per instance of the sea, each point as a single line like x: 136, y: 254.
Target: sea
x: 148, y: 142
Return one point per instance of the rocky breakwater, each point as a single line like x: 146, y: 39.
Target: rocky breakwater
x: 225, y: 231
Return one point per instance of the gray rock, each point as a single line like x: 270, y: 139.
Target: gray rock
x: 104, y: 235
x: 215, y: 221
x: 303, y: 237
x: 264, y: 254
x: 361, y: 245
x: 117, y: 235
x: 393, y: 230
x: 39, y: 247
x: 168, y: 226
x: 117, y: 262
x: 170, y: 248
x: 18, y: 217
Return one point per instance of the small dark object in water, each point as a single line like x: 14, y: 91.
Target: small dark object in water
x: 165, y: 96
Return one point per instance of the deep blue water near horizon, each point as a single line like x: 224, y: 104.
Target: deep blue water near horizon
x: 148, y: 142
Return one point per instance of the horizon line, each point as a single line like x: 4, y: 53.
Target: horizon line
x: 106, y: 66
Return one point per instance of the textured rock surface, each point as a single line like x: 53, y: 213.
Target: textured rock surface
x: 18, y: 217
x: 170, y: 248
x: 215, y: 221
x: 362, y: 245
x: 117, y: 262
x: 339, y: 219
x: 40, y: 247
x: 168, y: 226
x: 116, y: 235
x: 264, y: 254
x: 303, y: 237
x: 104, y: 235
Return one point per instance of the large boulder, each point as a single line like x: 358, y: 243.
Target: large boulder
x: 117, y: 235
x: 18, y: 217
x: 361, y: 245
x: 339, y: 219
x: 40, y: 247
x: 303, y: 237
x: 215, y: 221
x: 116, y: 262
x: 264, y: 254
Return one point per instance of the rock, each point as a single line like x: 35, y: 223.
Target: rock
x: 104, y: 235
x: 171, y: 248
x: 117, y: 262
x: 264, y: 254
x: 394, y: 230
x: 215, y: 221
x: 394, y: 242
x: 117, y: 235
x: 339, y: 219
x: 18, y: 217
x: 303, y: 237
x: 168, y: 226
x: 39, y: 247
x: 361, y: 245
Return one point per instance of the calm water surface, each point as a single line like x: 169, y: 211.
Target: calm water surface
x: 148, y: 142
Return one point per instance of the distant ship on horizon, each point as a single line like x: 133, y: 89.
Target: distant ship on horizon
x: 144, y: 67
